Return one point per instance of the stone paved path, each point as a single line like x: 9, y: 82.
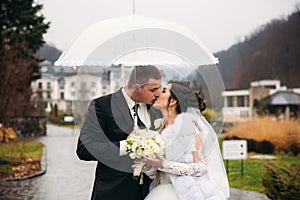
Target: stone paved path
x: 237, y: 194
x: 68, y: 178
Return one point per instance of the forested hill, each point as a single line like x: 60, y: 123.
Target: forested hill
x: 271, y: 52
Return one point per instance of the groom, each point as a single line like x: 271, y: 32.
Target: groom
x: 108, y: 123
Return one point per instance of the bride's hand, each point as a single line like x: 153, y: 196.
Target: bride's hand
x: 145, y: 168
x: 135, y: 163
x: 155, y: 162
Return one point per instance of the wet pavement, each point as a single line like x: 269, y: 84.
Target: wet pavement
x: 68, y: 178
x: 236, y: 194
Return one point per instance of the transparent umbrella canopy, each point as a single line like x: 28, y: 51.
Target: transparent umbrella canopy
x: 106, y: 51
x: 103, y: 42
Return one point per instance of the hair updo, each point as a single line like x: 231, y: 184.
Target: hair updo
x: 186, y: 96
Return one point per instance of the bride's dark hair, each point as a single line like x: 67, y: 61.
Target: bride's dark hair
x: 186, y: 96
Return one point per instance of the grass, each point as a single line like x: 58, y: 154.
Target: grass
x: 17, y: 153
x: 283, y: 135
x: 253, y: 171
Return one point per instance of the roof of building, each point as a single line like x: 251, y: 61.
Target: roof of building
x: 283, y: 98
x: 49, y: 70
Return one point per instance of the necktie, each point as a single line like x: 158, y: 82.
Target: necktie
x: 140, y: 124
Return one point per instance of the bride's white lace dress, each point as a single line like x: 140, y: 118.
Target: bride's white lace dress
x: 181, y: 178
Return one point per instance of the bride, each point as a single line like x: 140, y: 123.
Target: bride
x: 192, y: 168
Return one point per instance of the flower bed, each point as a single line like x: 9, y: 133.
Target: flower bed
x: 20, y: 159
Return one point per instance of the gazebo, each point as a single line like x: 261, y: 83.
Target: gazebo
x: 283, y: 102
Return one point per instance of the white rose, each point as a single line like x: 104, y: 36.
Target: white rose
x: 132, y: 155
x: 139, y: 152
x: 158, y: 123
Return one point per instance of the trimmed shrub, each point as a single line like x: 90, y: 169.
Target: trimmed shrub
x: 281, y: 182
x: 253, y: 145
x: 272, y: 135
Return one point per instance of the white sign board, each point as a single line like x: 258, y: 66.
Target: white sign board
x: 68, y: 119
x: 234, y: 149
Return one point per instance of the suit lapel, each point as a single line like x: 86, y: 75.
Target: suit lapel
x: 154, y: 114
x: 122, y: 115
x: 121, y: 112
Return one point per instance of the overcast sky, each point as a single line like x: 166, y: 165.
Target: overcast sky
x: 218, y: 23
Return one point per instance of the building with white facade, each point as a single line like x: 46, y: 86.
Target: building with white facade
x: 241, y: 105
x: 64, y: 86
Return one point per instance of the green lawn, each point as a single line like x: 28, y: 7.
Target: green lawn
x: 16, y: 153
x: 253, y: 172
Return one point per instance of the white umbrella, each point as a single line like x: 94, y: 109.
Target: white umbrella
x: 134, y: 40
x: 137, y: 40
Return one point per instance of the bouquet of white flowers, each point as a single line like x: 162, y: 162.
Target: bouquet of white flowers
x: 144, y: 142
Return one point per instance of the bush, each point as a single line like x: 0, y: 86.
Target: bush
x: 254, y: 146
x: 281, y: 182
x: 211, y: 115
x: 7, y: 134
x: 272, y: 135
x: 260, y: 147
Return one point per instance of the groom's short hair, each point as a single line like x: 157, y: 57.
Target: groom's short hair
x: 142, y: 73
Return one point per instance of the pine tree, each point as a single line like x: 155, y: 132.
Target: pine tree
x: 22, y: 28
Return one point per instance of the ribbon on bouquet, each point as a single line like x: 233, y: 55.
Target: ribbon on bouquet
x: 138, y: 169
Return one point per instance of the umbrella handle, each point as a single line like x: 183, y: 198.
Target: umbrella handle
x: 135, y: 123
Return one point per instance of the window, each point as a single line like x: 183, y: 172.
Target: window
x: 230, y: 101
x: 40, y: 85
x: 240, y: 100
x: 48, y: 95
x: 48, y: 85
x: 247, y: 101
x: 62, y: 95
x: 61, y: 82
x: 270, y: 86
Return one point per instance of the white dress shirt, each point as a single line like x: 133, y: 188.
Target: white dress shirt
x: 143, y: 113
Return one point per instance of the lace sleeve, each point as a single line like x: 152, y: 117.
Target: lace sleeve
x: 199, y: 165
x: 184, y: 169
